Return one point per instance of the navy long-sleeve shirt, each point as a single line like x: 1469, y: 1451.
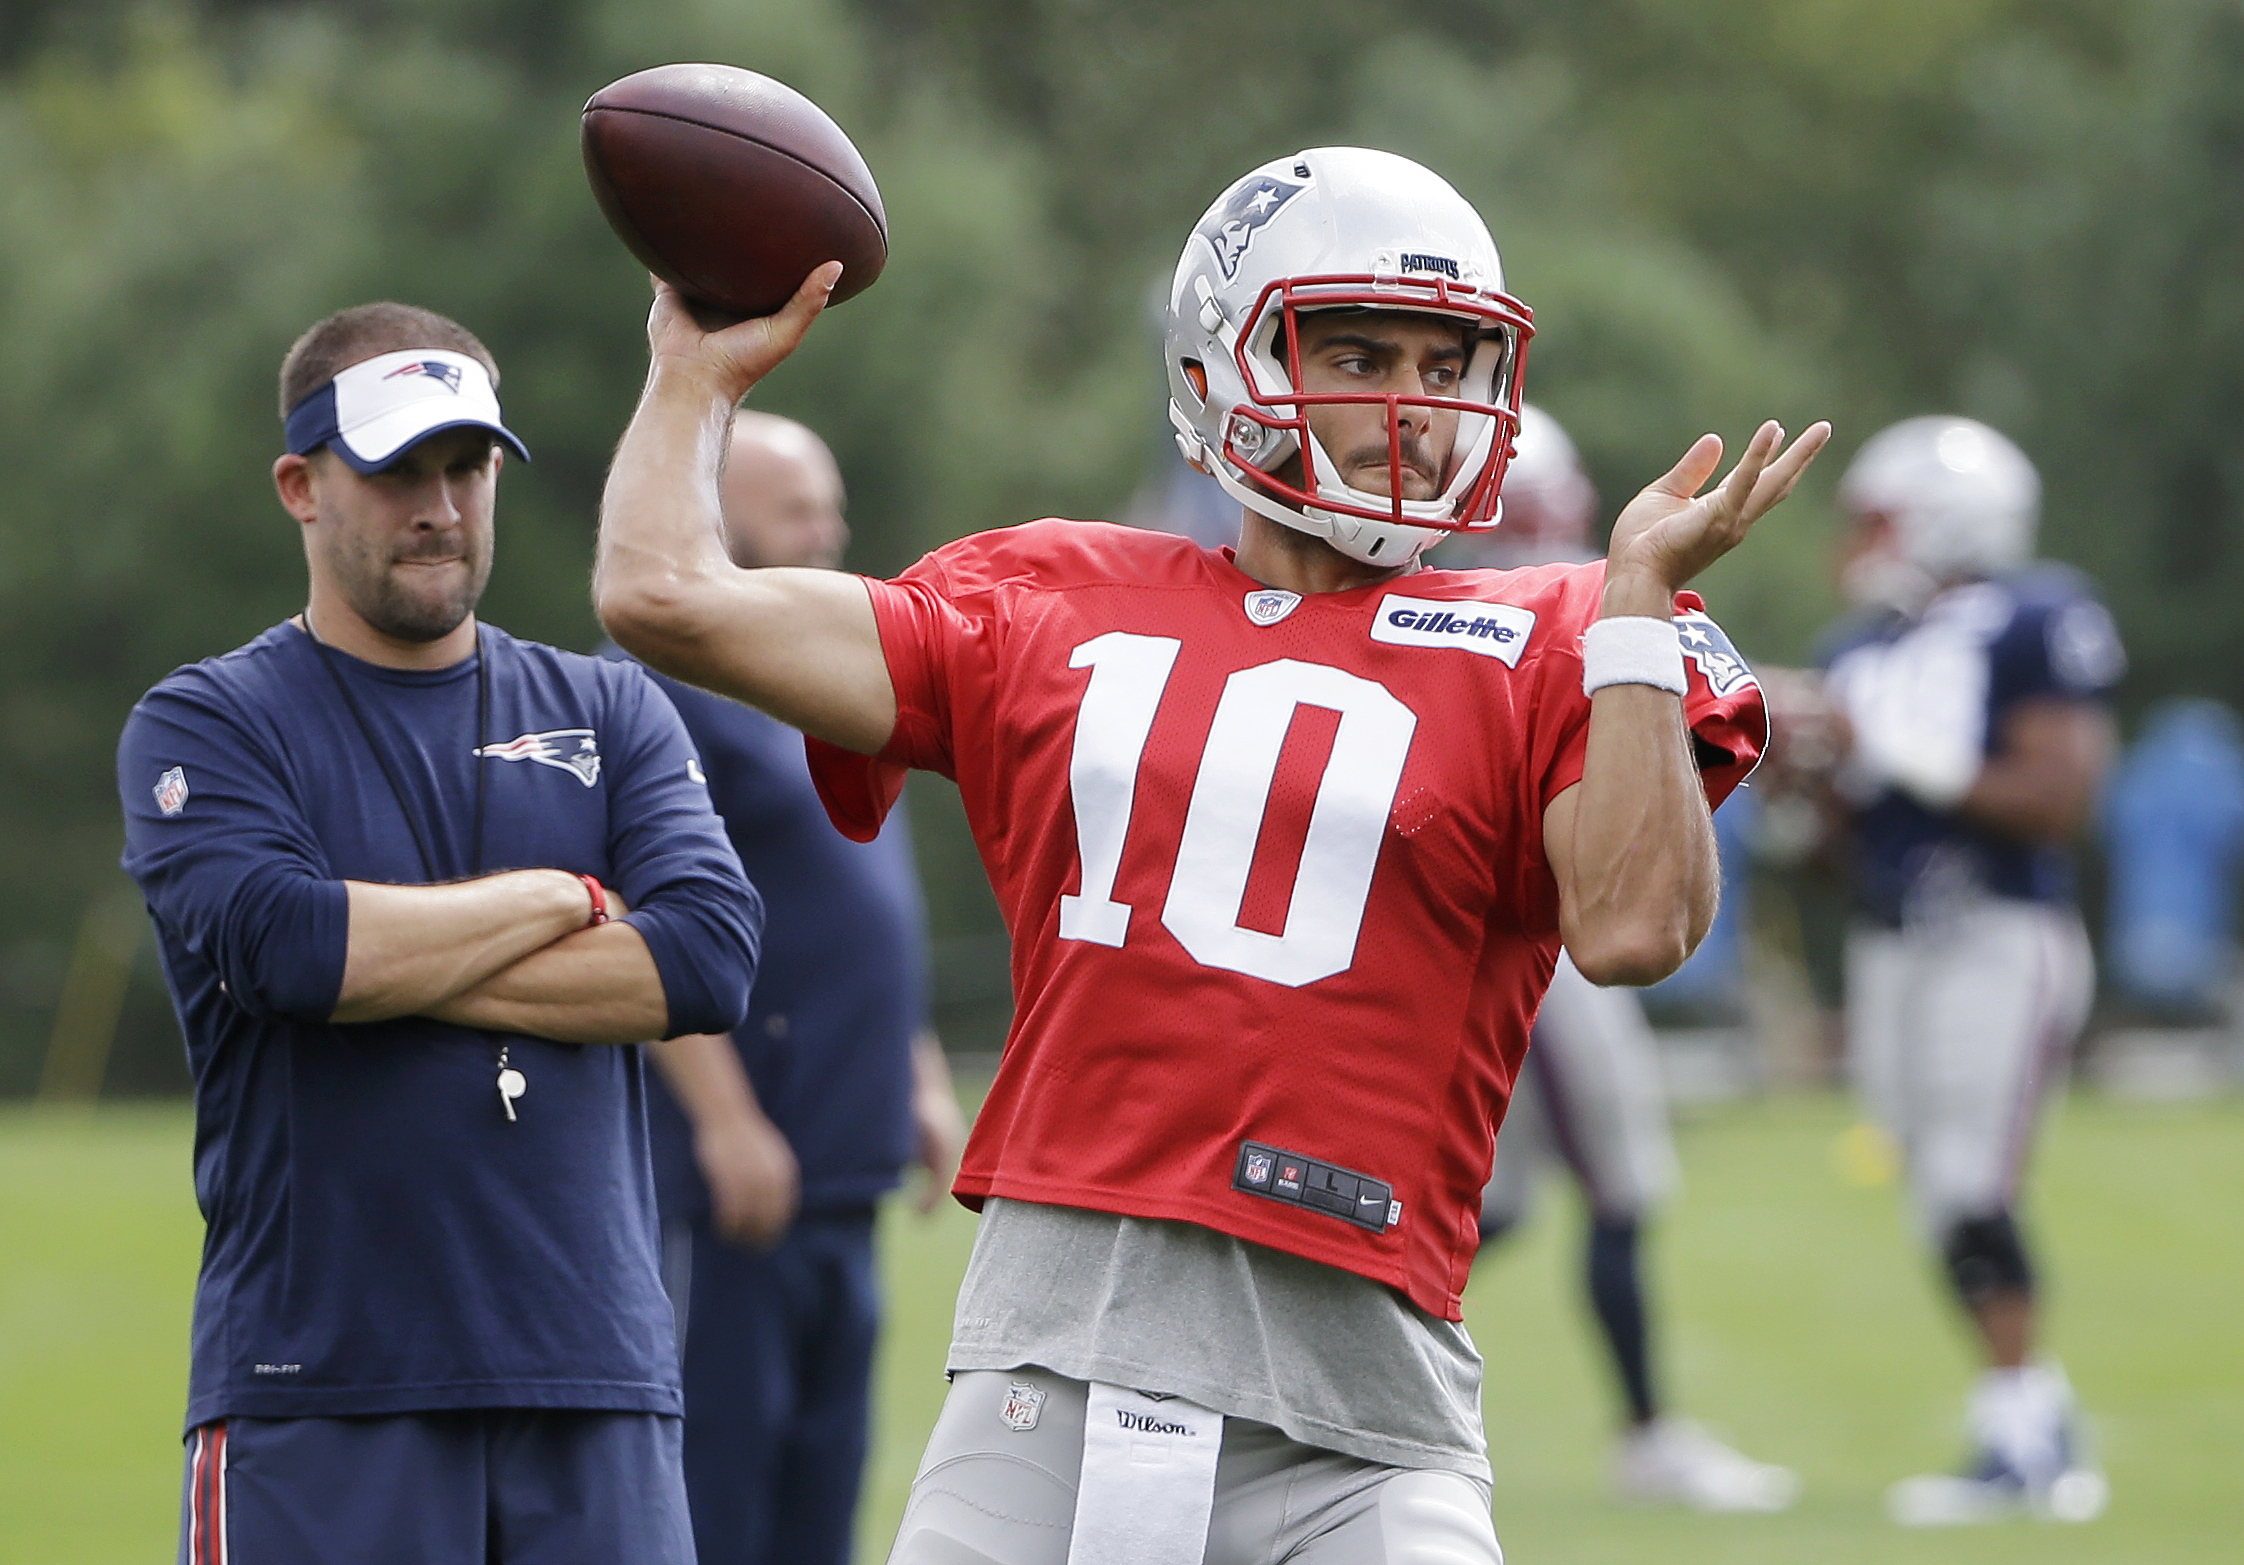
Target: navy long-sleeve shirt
x: 380, y: 1238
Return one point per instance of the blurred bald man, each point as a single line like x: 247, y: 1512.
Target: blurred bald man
x: 782, y: 1137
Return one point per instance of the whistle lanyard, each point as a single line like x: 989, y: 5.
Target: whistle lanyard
x: 512, y: 1083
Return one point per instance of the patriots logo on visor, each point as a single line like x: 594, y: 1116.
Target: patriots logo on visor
x: 572, y: 750
x: 434, y: 369
x: 1230, y: 229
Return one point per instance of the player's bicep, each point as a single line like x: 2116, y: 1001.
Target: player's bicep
x: 802, y: 645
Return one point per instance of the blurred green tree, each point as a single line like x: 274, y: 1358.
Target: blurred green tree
x: 2022, y: 209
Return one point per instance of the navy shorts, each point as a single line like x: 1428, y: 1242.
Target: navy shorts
x: 778, y: 1373
x: 491, y: 1486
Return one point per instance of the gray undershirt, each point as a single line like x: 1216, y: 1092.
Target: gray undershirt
x: 1332, y: 1359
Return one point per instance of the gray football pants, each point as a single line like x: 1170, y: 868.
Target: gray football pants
x: 988, y: 1494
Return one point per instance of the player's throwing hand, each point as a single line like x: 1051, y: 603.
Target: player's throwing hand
x: 737, y: 355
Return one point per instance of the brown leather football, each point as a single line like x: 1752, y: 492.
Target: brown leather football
x: 731, y: 186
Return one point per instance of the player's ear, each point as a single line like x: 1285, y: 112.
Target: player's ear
x: 292, y: 480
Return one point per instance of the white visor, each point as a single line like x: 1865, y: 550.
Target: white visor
x: 375, y: 409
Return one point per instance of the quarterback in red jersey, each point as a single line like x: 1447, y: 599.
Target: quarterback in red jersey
x: 1287, y: 837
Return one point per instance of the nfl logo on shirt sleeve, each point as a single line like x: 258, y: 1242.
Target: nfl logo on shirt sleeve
x: 171, y: 791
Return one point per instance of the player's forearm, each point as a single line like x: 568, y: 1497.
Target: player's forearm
x: 2042, y: 784
x: 598, y: 985
x: 1644, y: 874
x: 706, y: 1076
x: 412, y: 947
x: 661, y: 557
x: 1640, y: 874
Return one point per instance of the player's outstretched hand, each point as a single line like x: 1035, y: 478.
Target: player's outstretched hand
x: 1671, y: 532
x: 733, y: 355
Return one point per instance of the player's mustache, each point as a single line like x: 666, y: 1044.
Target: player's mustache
x: 1415, y: 457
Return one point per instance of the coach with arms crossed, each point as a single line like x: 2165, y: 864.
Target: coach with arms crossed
x: 408, y: 875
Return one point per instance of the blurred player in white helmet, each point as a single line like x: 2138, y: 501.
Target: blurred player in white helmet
x: 1589, y: 1094
x: 1972, y: 681
x: 1287, y: 838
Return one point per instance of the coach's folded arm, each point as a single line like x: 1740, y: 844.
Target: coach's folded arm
x: 508, y: 953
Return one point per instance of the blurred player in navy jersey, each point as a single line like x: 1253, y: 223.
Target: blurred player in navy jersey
x: 795, y: 1124
x: 1287, y: 838
x: 404, y: 868
x: 1971, y: 680
x: 1589, y: 1094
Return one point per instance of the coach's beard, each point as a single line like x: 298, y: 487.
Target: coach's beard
x: 412, y: 596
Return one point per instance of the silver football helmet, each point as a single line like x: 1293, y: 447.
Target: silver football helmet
x: 1326, y: 229
x: 1963, y: 501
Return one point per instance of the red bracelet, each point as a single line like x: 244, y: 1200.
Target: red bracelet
x: 599, y: 901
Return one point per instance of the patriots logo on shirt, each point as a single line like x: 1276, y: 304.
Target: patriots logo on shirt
x: 572, y: 750
x: 1230, y: 230
x: 171, y: 791
x: 1704, y: 644
x: 435, y: 369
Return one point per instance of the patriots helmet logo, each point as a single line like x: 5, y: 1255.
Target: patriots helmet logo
x: 447, y: 375
x: 572, y: 750
x: 1231, y: 228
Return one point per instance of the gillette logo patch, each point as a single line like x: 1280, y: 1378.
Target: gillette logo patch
x: 1494, y: 630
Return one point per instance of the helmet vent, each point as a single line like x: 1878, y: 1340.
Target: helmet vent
x: 1301, y: 171
x: 1195, y: 376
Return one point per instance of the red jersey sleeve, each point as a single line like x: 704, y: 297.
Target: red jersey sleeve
x: 1723, y: 707
x: 923, y: 636
x: 1729, y: 721
x: 941, y: 631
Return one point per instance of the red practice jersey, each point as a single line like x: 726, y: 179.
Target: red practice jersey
x: 1273, y: 868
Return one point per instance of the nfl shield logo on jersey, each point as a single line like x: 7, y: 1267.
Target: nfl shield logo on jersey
x: 1271, y: 605
x: 1024, y: 1405
x: 1258, y: 1168
x: 171, y: 791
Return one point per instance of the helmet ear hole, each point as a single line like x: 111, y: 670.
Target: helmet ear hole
x: 1196, y: 376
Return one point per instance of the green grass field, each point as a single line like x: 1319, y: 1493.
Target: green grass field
x: 1797, y: 1318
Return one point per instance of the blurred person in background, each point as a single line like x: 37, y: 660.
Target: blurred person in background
x: 430, y: 1323
x: 795, y: 1125
x: 1589, y: 1094
x: 1970, y: 683
x: 2173, y: 832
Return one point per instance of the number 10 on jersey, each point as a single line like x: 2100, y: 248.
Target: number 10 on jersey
x: 1230, y: 795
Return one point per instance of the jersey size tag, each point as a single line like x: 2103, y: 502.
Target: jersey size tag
x: 1494, y: 630
x: 1278, y: 1175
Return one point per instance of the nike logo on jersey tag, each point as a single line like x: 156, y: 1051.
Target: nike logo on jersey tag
x: 1271, y: 604
x: 1494, y: 630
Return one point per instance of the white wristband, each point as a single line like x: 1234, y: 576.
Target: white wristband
x: 1632, y: 649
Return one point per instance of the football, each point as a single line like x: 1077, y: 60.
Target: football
x: 731, y: 187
